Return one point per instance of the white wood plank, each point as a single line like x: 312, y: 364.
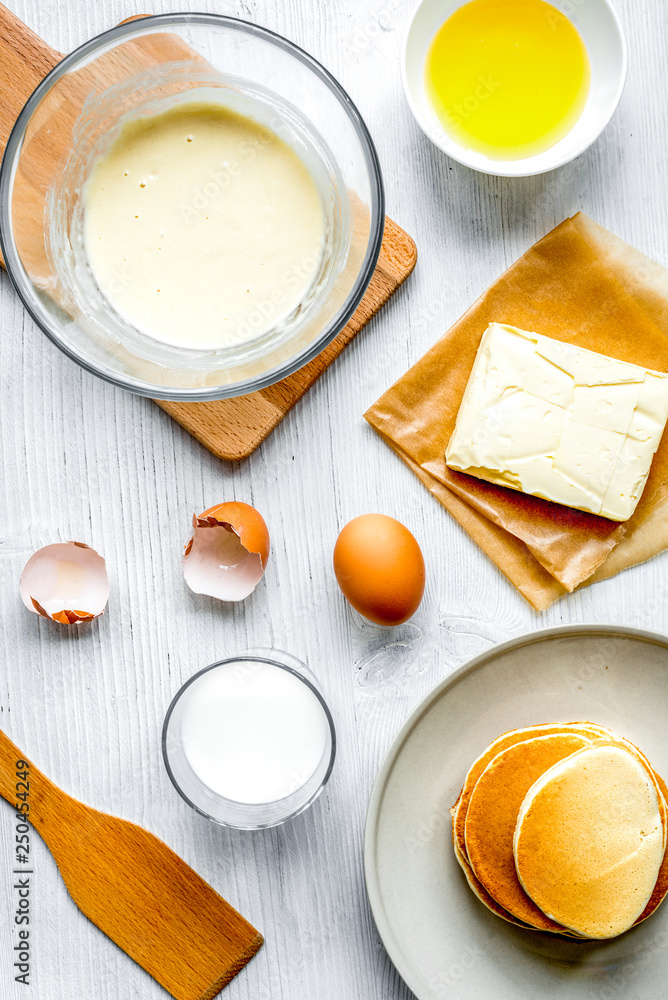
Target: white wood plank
x: 83, y: 460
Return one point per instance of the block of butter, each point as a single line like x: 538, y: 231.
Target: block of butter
x: 559, y: 422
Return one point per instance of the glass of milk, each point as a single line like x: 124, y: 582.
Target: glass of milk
x: 249, y: 741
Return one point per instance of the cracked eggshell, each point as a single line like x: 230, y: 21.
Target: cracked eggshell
x: 66, y: 582
x: 227, y: 553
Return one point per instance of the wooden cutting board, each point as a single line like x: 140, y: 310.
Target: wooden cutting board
x: 230, y: 428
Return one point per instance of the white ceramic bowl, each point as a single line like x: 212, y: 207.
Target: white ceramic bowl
x: 601, y: 31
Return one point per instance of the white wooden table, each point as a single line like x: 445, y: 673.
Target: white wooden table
x: 83, y: 460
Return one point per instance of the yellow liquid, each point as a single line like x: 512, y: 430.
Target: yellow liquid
x: 507, y: 78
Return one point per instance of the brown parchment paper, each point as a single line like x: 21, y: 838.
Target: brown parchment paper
x: 582, y: 285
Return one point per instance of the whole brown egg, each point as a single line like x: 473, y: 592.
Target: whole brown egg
x: 380, y: 568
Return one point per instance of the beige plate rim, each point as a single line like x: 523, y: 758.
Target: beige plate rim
x: 374, y: 883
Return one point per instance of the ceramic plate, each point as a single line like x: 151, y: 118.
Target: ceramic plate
x: 443, y: 941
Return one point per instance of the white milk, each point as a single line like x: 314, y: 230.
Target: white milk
x: 253, y: 732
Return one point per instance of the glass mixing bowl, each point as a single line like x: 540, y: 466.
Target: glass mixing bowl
x: 139, y: 68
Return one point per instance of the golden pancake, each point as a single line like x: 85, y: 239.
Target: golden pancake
x: 502, y: 743
x: 492, y: 816
x: 661, y: 887
x: 479, y: 890
x: 588, y: 844
x: 657, y: 784
x: 594, y: 732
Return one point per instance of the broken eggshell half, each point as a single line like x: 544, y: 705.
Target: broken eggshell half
x: 227, y: 553
x: 66, y: 582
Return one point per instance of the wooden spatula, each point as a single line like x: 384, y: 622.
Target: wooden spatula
x: 135, y: 888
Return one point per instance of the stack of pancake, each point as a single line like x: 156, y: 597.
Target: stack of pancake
x: 562, y: 828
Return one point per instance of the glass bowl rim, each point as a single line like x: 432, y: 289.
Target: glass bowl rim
x: 22, y: 285
x: 250, y: 657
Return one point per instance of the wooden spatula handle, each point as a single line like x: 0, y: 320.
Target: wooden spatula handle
x: 12, y: 762
x: 134, y: 887
x: 22, y: 783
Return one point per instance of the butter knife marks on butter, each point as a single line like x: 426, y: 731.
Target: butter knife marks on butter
x: 559, y: 422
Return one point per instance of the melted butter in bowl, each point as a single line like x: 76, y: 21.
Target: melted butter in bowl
x: 508, y: 78
x: 202, y: 227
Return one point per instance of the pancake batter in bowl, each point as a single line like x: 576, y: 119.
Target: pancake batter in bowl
x: 202, y: 227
